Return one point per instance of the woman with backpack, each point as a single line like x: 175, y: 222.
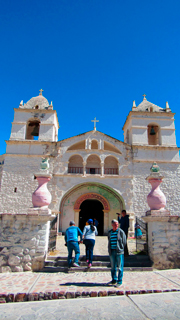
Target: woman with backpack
x: 89, y: 233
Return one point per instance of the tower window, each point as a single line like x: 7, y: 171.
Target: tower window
x: 153, y: 134
x: 32, y: 132
x: 15, y: 189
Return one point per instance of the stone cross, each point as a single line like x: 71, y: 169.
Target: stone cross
x: 144, y: 95
x: 40, y: 92
x: 95, y: 123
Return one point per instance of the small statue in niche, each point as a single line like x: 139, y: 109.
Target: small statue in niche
x: 44, y: 164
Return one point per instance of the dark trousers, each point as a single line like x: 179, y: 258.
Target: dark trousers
x: 126, y: 252
x: 89, y: 243
x: 117, y: 264
x: 73, y: 245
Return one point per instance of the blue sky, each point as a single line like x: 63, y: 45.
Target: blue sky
x: 91, y: 58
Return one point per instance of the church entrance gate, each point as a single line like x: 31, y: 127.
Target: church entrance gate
x: 91, y: 209
x: 105, y: 199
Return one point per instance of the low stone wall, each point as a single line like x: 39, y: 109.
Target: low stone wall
x: 23, y: 241
x: 164, y: 241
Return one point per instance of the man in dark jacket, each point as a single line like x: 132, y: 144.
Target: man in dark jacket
x: 116, y: 243
x: 124, y: 225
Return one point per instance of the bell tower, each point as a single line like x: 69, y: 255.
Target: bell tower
x: 35, y: 120
x: 150, y: 125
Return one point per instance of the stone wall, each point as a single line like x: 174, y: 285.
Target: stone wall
x: 23, y: 242
x: 164, y: 241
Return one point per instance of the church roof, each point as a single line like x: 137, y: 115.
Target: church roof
x: 146, y: 105
x: 92, y: 132
x: 38, y: 102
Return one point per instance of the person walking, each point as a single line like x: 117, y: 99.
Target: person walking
x: 116, y: 244
x: 71, y: 240
x: 96, y: 223
x: 89, y: 233
x: 124, y: 225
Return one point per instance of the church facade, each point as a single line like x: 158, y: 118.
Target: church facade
x: 93, y: 174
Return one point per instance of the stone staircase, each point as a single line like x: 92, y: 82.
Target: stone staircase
x: 101, y: 263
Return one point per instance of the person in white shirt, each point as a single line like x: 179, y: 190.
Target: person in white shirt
x: 89, y: 233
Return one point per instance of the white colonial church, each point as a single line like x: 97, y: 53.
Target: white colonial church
x: 93, y: 174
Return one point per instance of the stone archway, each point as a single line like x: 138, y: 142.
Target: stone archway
x: 111, y: 201
x: 92, y: 195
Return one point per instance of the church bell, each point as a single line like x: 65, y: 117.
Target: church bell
x: 35, y: 131
x: 152, y: 132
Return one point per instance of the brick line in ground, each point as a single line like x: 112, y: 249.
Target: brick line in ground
x: 21, y: 297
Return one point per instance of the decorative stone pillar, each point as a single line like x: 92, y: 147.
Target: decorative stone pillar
x: 84, y: 169
x: 41, y: 197
x: 102, y: 169
x: 163, y: 229
x: 25, y: 237
x: 156, y: 198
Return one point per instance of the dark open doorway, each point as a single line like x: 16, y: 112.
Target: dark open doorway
x: 91, y: 209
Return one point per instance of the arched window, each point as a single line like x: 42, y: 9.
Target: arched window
x: 111, y: 165
x: 75, y: 164
x: 93, y: 165
x: 154, y: 134
x: 94, y: 144
x: 32, y: 130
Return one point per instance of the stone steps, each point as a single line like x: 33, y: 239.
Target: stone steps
x: 100, y: 264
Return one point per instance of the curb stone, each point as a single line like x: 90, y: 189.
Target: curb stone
x: 35, y: 296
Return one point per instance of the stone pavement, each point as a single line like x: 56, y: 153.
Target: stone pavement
x: 161, y: 306
x: 30, y: 286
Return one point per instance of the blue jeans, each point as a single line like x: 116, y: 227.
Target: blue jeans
x: 117, y: 262
x: 89, y: 243
x: 73, y: 245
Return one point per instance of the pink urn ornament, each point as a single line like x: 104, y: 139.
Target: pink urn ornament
x: 41, y: 196
x: 156, y: 198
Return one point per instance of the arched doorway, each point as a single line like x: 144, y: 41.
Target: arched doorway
x: 90, y: 209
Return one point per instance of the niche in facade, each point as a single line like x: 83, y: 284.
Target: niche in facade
x: 93, y: 165
x: 110, y: 165
x: 94, y: 144
x: 75, y: 164
x: 153, y: 135
x: 32, y: 131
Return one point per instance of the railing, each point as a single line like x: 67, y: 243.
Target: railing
x: 75, y: 170
x: 52, y: 235
x: 93, y: 170
x: 141, y: 239
x: 110, y: 171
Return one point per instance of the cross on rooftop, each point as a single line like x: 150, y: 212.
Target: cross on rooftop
x: 40, y: 92
x: 95, y: 123
x: 144, y: 95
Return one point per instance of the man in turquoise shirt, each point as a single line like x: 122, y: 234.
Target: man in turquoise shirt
x: 71, y: 240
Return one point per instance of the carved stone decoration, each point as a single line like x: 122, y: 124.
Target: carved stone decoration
x: 92, y: 195
x: 41, y: 196
x: 156, y: 198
